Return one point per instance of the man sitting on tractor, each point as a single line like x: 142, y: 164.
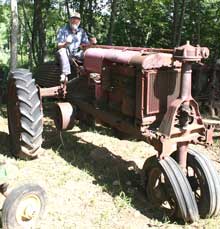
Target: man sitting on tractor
x: 69, y: 39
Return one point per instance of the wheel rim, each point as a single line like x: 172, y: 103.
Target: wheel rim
x: 175, y: 195
x: 159, y: 192
x: 28, y: 210
x: 197, y: 182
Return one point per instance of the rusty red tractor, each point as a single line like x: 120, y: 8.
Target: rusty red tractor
x: 144, y: 92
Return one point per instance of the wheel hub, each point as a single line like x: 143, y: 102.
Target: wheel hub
x: 28, y: 209
x: 29, y: 212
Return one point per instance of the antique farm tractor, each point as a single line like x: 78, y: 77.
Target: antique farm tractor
x: 143, y: 92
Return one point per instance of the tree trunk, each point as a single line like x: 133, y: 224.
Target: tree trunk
x: 34, y: 34
x: 81, y: 9
x: 42, y: 38
x: 14, y: 34
x: 181, y: 22
x: 112, y: 21
x: 67, y: 8
x: 28, y: 30
x: 198, y: 23
x: 175, y: 20
x: 38, y: 35
x: 90, y: 14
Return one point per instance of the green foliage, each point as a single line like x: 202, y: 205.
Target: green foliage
x: 136, y: 23
x: 4, y: 34
x: 143, y: 23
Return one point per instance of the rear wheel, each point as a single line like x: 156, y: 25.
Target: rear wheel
x: 25, y: 117
x: 48, y: 74
x: 167, y: 187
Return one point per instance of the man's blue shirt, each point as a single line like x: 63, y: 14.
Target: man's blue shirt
x: 79, y: 37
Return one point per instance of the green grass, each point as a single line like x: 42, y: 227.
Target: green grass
x: 91, y: 179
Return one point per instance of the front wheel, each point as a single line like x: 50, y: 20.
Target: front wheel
x: 23, y: 207
x: 205, y: 183
x: 166, y: 187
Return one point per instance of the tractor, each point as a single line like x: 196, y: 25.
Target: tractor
x: 143, y: 92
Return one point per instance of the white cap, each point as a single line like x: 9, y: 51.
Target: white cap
x: 74, y: 14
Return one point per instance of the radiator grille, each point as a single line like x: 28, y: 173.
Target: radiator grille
x: 161, y: 88
x: 152, y: 100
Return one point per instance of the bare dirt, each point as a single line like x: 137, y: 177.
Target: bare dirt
x: 92, y: 179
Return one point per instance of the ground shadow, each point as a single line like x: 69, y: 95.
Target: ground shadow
x: 106, y: 167
x: 5, y: 144
x: 102, y: 164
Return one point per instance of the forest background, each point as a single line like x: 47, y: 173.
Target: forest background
x: 142, y: 23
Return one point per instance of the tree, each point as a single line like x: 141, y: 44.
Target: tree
x: 14, y: 34
x: 158, y: 23
x: 181, y: 21
x: 179, y: 8
x: 38, y: 34
x: 112, y: 21
x: 175, y: 20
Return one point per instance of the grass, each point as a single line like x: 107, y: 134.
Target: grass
x: 92, y: 180
x: 122, y: 201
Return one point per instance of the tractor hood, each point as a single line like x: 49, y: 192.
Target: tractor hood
x: 94, y: 57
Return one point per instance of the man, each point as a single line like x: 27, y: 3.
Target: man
x: 69, y: 39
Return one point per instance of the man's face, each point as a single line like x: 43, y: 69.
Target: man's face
x: 74, y: 21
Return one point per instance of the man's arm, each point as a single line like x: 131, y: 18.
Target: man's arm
x: 92, y: 40
x: 62, y: 45
x: 86, y: 39
x: 62, y: 41
x: 68, y: 41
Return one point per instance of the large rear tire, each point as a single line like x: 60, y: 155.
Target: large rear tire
x: 25, y: 116
x: 48, y: 74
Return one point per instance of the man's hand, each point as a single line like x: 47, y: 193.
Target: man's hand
x: 69, y: 39
x: 93, y: 40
